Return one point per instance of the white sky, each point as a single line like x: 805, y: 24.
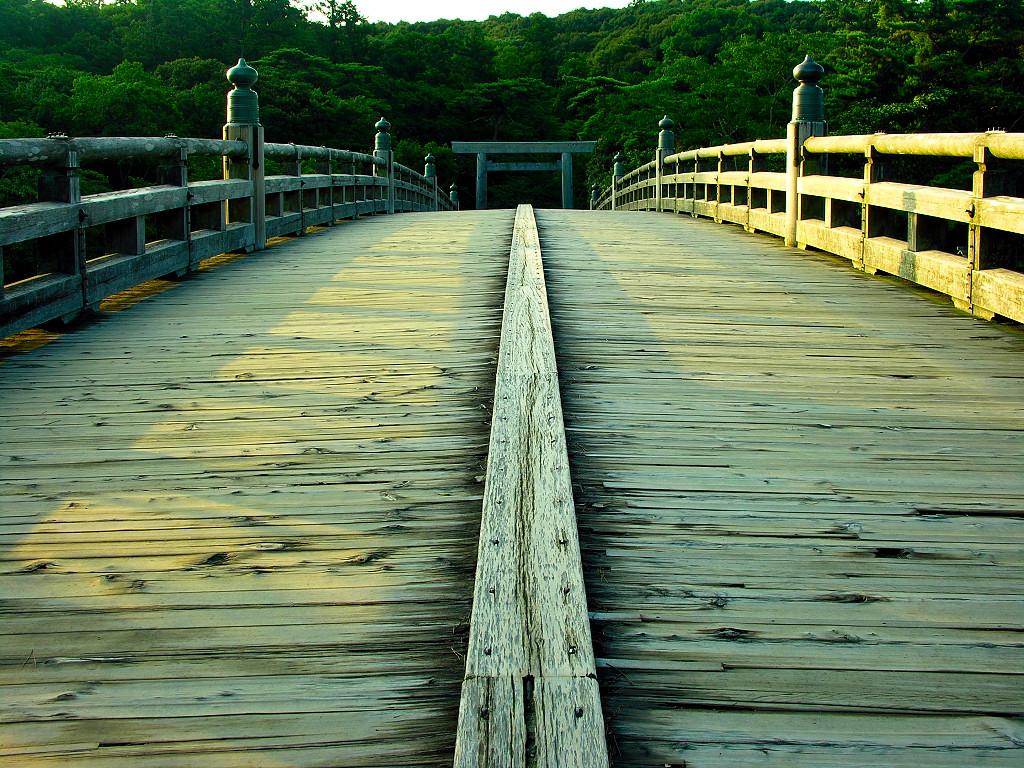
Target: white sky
x: 471, y: 10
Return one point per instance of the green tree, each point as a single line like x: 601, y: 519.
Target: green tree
x: 517, y: 109
x: 128, y: 102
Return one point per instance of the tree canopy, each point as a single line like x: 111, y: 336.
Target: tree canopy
x: 720, y: 68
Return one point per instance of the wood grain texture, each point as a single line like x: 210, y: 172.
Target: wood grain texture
x: 239, y: 518
x: 530, y: 689
x: 800, y: 502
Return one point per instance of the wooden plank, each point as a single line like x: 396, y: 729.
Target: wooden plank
x: 530, y: 660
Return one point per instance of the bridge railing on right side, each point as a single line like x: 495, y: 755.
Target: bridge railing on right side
x: 965, y: 243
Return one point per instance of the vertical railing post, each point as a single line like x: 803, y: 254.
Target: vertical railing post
x: 593, y: 196
x: 985, y: 248
x: 294, y: 202
x: 666, y: 147
x: 430, y: 172
x: 696, y: 170
x: 808, y: 120
x: 382, y: 150
x: 324, y: 196
x: 243, y: 124
x: 65, y: 251
x: 874, y: 172
x: 176, y: 224
x: 719, y: 168
x: 453, y: 196
x: 754, y: 165
x: 354, y: 169
x: 618, y: 171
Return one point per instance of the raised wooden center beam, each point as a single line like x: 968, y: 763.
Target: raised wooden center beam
x: 530, y: 695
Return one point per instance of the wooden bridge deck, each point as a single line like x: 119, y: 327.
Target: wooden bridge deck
x: 239, y: 521
x: 800, y: 494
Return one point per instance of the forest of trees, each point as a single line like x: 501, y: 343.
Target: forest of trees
x: 720, y: 68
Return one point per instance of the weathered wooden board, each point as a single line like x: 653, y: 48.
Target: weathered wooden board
x: 238, y: 520
x: 801, y: 502
x: 530, y: 696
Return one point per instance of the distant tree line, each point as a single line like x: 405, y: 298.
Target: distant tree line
x: 720, y: 68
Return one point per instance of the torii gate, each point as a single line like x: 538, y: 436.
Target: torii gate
x: 483, y: 148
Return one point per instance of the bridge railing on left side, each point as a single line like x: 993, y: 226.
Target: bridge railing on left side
x: 965, y: 243
x: 76, y: 250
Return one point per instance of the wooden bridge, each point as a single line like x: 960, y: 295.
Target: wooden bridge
x: 506, y: 487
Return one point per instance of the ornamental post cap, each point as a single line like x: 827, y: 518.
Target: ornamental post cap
x: 594, y: 187
x: 619, y: 157
x: 429, y: 158
x: 453, y: 187
x: 382, y: 126
x: 242, y: 75
x: 808, y: 71
x: 667, y: 123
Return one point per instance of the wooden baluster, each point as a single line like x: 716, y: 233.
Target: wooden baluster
x: 754, y: 163
x: 874, y: 171
x: 293, y: 202
x: 324, y: 196
x: 719, y: 168
x: 986, y: 248
x: 175, y: 224
x: 64, y: 252
x: 693, y: 187
x: 675, y: 189
x: 618, y: 171
x: 127, y: 236
x: 354, y: 197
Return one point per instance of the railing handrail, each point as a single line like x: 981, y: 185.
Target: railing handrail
x: 51, y: 151
x: 294, y: 152
x: 416, y: 175
x: 1005, y: 146
x: 759, y: 147
x: 636, y: 172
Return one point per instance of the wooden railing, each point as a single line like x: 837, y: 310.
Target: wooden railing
x: 967, y: 244
x: 169, y: 228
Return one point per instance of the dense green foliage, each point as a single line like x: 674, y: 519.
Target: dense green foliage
x: 720, y: 68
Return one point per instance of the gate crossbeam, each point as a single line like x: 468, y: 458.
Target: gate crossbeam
x: 484, y: 148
